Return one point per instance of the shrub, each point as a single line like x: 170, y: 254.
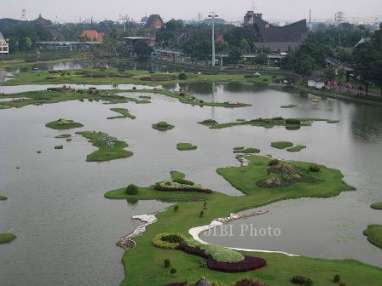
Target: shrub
x: 182, y: 76
x: 336, y: 278
x: 201, y: 214
x: 168, y: 240
x: 205, y: 205
x: 176, y: 208
x: 184, y: 182
x: 173, y: 271
x: 132, y: 190
x: 314, y: 169
x: 273, y: 162
x: 301, y: 280
x: 292, y: 121
x: 249, y: 282
x: 166, y: 263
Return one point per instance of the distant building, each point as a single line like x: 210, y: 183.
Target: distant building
x: 42, y: 21
x: 276, y: 38
x: 154, y: 22
x: 4, y: 47
x: 92, y: 36
x: 66, y: 45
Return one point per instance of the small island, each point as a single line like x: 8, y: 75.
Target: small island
x: 7, y: 238
x: 245, y: 150
x: 125, y: 113
x: 63, y: 124
x: 377, y: 206
x: 186, y: 147
x: 282, y: 144
x: 3, y: 198
x: 296, y: 148
x: 163, y: 126
x: 374, y: 235
x: 109, y: 148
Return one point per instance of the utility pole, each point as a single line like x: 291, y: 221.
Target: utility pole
x: 213, y: 16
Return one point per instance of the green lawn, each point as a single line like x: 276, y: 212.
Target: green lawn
x: 374, y: 235
x: 144, y: 264
x: 109, y: 148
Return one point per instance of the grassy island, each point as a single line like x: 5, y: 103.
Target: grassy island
x: 7, y: 238
x: 125, y: 113
x: 63, y: 124
x: 289, y: 123
x: 163, y: 126
x: 109, y: 148
x: 245, y: 150
x: 377, y: 206
x: 281, y: 144
x: 186, y: 147
x: 3, y: 198
x: 144, y: 263
x: 374, y: 235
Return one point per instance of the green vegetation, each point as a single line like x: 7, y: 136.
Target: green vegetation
x: 7, y: 238
x: 186, y: 147
x: 296, y: 148
x: 244, y: 150
x: 177, y: 175
x: 132, y: 190
x: 63, y: 136
x: 144, y: 263
x: 59, y: 147
x: 377, y: 206
x: 289, y: 123
x: 281, y: 144
x: 3, y: 198
x: 289, y: 106
x: 109, y: 148
x: 162, y: 126
x: 374, y: 235
x: 62, y: 124
x: 125, y: 113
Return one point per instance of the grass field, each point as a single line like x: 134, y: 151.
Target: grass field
x: 144, y: 264
x: 374, y: 235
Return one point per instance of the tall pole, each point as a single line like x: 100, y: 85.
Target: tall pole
x: 213, y: 16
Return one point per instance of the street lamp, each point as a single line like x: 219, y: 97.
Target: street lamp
x: 213, y: 16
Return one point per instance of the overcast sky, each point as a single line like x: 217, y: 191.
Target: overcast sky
x: 72, y: 10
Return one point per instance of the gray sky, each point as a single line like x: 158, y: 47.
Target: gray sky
x: 71, y: 10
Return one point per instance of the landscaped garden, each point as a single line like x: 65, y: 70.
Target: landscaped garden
x: 147, y: 264
x: 109, y: 148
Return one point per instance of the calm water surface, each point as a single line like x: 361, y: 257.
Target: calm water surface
x: 66, y: 229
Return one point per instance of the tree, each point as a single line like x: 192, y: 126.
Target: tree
x: 234, y: 55
x: 142, y: 49
x: 261, y: 59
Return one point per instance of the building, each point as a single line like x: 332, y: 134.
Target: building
x: 4, y: 47
x: 66, y: 45
x: 275, y: 38
x: 154, y: 22
x: 92, y: 36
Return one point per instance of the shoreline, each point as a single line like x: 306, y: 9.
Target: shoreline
x: 196, y: 231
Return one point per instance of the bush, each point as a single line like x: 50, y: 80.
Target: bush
x: 132, y: 190
x: 168, y: 240
x: 292, y: 121
x: 336, y: 278
x: 301, y: 280
x: 201, y: 214
x: 273, y: 162
x: 166, y: 263
x: 176, y: 208
x: 184, y: 182
x: 314, y: 169
x: 173, y: 271
x: 182, y: 76
x: 249, y: 282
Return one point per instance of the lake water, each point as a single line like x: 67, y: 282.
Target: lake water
x: 67, y: 231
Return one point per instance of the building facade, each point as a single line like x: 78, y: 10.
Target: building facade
x: 4, y: 47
